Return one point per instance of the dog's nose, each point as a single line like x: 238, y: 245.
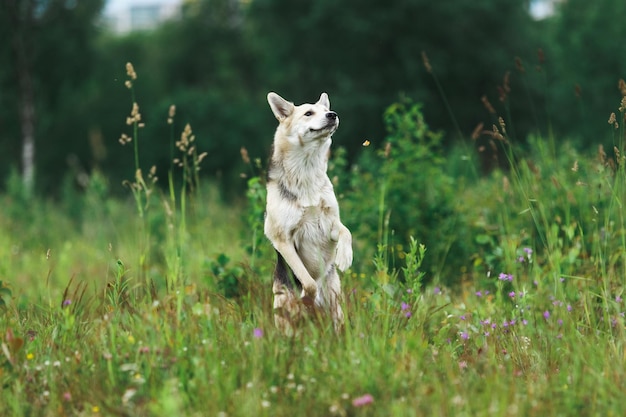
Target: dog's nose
x: 331, y: 115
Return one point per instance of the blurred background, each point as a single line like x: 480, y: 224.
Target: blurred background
x: 550, y: 66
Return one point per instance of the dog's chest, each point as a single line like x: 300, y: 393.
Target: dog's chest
x: 315, y: 227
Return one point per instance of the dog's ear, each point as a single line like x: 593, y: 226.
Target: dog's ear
x: 280, y: 107
x: 324, y: 101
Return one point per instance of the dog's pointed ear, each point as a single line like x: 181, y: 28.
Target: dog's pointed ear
x: 280, y: 107
x: 324, y: 101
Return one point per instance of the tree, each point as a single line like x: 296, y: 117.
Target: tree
x: 49, y: 41
x: 366, y: 52
x: 586, y: 58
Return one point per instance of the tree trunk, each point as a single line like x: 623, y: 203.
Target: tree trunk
x: 21, y: 16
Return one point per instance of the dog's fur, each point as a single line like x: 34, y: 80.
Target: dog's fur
x: 302, y: 214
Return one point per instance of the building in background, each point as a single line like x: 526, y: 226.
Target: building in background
x: 123, y: 16
x: 540, y: 9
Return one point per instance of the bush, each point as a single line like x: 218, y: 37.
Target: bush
x: 404, y: 189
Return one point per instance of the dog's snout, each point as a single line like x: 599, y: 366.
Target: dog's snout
x: 331, y: 115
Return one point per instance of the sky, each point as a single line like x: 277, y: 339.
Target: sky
x: 115, y: 5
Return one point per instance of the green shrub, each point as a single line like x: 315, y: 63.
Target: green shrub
x: 403, y: 189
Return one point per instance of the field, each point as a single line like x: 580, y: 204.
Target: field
x: 483, y: 295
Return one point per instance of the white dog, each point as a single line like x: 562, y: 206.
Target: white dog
x: 302, y: 214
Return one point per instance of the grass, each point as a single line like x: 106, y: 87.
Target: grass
x: 167, y: 311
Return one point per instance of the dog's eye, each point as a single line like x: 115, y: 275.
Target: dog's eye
x: 309, y: 113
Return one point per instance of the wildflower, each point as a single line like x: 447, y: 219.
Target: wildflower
x: 95, y: 409
x: 505, y: 277
x: 462, y: 364
x: 512, y: 294
x: 405, y: 307
x: 546, y: 314
x: 479, y: 294
x: 618, y: 299
x: 67, y: 302
x: 464, y: 335
x: 30, y: 356
x: 257, y: 333
x: 569, y: 308
x: 363, y: 400
x: 437, y: 290
x: 67, y: 396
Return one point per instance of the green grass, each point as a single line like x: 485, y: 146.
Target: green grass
x: 71, y: 345
x: 161, y: 305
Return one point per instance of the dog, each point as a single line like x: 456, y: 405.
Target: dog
x: 302, y: 215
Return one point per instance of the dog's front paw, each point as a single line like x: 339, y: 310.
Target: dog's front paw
x: 309, y: 291
x: 343, y: 259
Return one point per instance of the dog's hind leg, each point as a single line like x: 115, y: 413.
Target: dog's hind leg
x: 287, y: 309
x: 333, y: 298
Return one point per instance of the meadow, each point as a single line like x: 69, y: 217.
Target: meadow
x: 486, y: 295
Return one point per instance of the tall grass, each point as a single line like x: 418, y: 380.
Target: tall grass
x: 167, y: 311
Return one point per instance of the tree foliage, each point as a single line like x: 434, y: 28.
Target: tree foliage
x: 219, y: 58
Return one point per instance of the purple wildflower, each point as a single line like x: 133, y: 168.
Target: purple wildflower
x: 479, y: 294
x: 505, y: 277
x: 437, y: 291
x: 618, y: 299
x: 546, y: 314
x: 464, y: 335
x: 512, y: 294
x: 257, y: 333
x: 67, y: 302
x: 363, y: 400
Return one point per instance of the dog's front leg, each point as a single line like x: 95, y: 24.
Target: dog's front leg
x: 342, y: 236
x: 309, y: 286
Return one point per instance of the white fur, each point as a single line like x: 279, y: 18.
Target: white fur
x: 302, y: 215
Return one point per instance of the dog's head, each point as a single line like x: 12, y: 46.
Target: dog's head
x: 307, y: 122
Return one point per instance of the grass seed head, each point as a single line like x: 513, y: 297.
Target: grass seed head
x: 426, y: 61
x: 488, y: 105
x: 130, y: 71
